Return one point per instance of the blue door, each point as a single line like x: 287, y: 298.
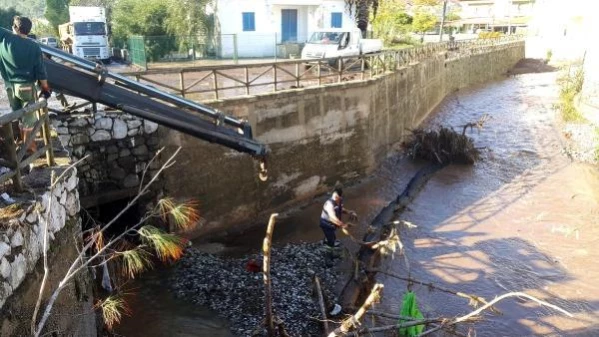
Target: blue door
x: 289, y: 25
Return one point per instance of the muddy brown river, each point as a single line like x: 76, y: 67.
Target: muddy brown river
x: 522, y: 219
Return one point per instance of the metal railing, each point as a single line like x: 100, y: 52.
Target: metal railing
x: 18, y: 158
x: 226, y: 81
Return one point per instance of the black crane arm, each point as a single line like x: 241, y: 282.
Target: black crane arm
x: 87, y: 80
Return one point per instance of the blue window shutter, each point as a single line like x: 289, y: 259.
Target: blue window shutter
x: 336, y: 20
x: 249, y: 24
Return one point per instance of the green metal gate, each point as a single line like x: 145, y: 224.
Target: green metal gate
x: 137, y: 51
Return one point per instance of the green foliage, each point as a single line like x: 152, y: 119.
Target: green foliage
x: 6, y: 15
x: 391, y: 21
x: 43, y: 29
x: 423, y: 21
x: 33, y: 9
x: 429, y: 3
x: 570, y: 86
x: 548, y: 55
x: 452, y: 16
x: 57, y: 12
x: 143, y: 17
x: 166, y: 246
x: 187, y: 17
x: 112, y: 309
x: 404, y: 19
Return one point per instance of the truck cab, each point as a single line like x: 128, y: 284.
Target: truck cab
x: 339, y: 43
x: 86, y: 35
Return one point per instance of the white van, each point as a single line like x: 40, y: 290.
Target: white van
x: 339, y: 43
x: 50, y: 41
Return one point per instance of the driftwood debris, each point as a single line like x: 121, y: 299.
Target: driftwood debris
x: 321, y: 304
x: 354, y: 321
x: 473, y: 300
x: 266, y: 246
x: 381, y: 229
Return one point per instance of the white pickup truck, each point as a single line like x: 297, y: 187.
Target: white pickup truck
x: 339, y: 43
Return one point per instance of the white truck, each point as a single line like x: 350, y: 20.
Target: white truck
x: 86, y: 35
x: 339, y: 43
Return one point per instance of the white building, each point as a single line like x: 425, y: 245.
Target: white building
x: 498, y: 15
x: 257, y: 27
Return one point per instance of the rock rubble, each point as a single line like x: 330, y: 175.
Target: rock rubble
x: 226, y: 286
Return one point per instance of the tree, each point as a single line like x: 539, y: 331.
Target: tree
x: 362, y: 11
x: 187, y: 17
x: 6, y: 16
x: 34, y: 9
x: 390, y: 20
x: 423, y: 22
x: 131, y: 256
x: 147, y: 18
x: 57, y: 12
x: 42, y: 28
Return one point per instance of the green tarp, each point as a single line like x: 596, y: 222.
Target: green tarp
x: 409, y: 308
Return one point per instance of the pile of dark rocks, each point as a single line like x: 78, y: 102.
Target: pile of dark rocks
x: 236, y: 292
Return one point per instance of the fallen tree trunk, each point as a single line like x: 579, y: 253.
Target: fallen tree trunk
x: 368, y: 259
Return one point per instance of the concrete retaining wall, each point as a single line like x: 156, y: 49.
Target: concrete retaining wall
x: 319, y: 136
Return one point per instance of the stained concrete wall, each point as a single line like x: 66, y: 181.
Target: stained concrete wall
x: 318, y: 136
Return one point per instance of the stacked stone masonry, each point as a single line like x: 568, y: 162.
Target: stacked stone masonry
x: 21, y: 243
x: 119, y: 147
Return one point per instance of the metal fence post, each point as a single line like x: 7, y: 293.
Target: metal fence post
x: 235, y: 55
x: 275, y: 47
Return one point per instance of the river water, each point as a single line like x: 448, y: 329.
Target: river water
x: 522, y: 219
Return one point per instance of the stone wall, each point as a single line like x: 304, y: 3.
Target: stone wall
x: 319, y: 136
x: 119, y: 147
x: 21, y: 265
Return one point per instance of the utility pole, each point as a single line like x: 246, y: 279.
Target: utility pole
x: 510, y: 3
x: 442, y: 21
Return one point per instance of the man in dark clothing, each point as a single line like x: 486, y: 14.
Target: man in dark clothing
x: 330, y: 218
x: 21, y: 67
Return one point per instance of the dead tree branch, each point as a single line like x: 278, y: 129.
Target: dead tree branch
x: 478, y: 124
x: 53, y: 182
x: 266, y: 246
x: 323, y: 310
x: 82, y: 261
x: 488, y: 305
x: 474, y: 300
x: 354, y: 321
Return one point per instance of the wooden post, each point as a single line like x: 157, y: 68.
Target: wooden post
x: 47, y: 136
x: 274, y: 67
x: 297, y: 75
x: 215, y: 82
x: 10, y: 148
x: 266, y: 245
x: 182, y: 83
x: 323, y: 310
x: 339, y: 69
x: 362, y: 67
x: 319, y: 73
x: 247, y: 80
